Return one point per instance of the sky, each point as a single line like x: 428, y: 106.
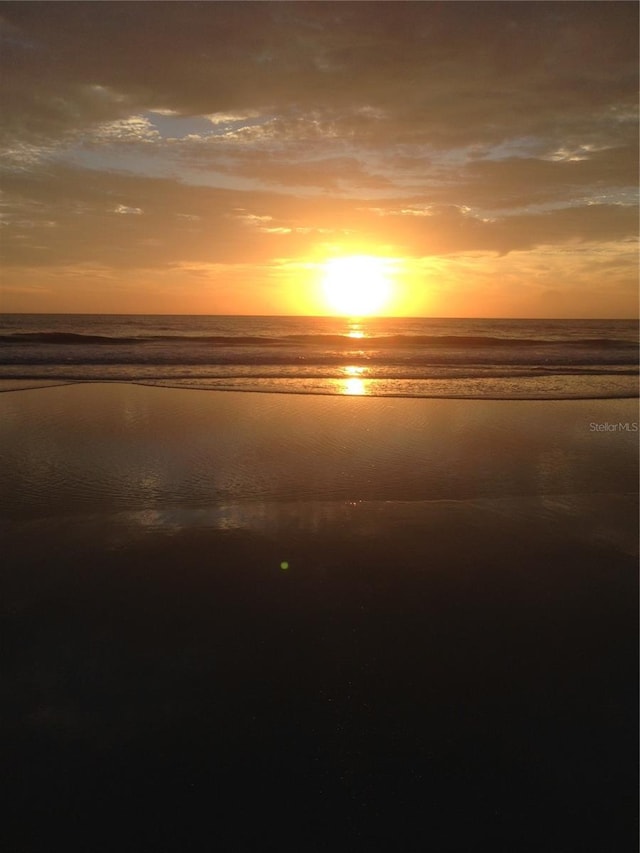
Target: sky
x: 219, y: 157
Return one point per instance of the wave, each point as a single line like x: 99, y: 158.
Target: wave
x: 456, y: 341
x: 500, y: 388
x: 70, y: 338
x: 63, y: 338
x: 342, y: 341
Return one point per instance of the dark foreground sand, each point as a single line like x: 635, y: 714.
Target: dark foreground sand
x: 448, y: 663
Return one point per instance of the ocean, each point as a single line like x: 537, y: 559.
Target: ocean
x: 401, y: 357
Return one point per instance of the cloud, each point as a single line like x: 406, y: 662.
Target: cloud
x: 155, y: 136
x: 126, y: 220
x: 389, y: 71
x: 128, y: 211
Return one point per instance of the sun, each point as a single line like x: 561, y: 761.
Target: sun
x: 356, y: 285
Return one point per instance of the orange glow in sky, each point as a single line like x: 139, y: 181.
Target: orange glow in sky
x: 300, y: 167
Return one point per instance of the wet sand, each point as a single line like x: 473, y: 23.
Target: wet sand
x: 237, y: 621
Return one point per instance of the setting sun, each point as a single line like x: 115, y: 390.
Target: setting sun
x: 357, y: 285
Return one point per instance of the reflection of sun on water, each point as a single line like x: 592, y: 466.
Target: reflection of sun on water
x: 355, y: 329
x: 354, y: 387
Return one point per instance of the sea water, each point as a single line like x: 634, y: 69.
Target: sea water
x: 406, y: 357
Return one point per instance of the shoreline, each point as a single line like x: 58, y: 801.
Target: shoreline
x: 366, y: 388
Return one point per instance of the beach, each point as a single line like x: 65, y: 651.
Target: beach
x: 319, y: 383
x: 328, y: 623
